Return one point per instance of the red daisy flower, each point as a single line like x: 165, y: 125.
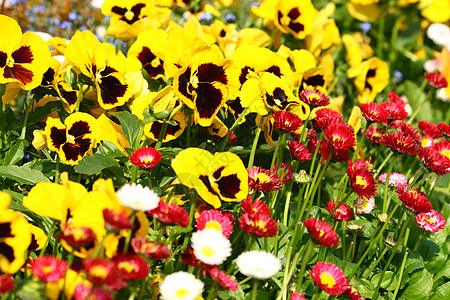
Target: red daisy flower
x: 286, y: 121
x: 342, y: 213
x: 223, y: 279
x: 431, y: 221
x: 338, y: 155
x: 340, y: 135
x: 395, y: 179
x: 6, y: 283
x: 443, y: 147
x: 299, y: 151
x: 374, y: 112
x: 400, y: 143
x: 444, y: 128
x: 215, y: 219
x: 146, y: 157
x: 49, y: 268
x: 353, y: 294
x: 297, y: 296
x: 374, y: 133
x: 427, y: 141
x: 393, y: 97
x: 284, y: 173
x: 407, y: 129
x: 101, y: 271
x: 169, y: 213
x: 429, y: 129
x: 151, y: 250
x: 259, y: 224
x: 324, y: 117
x: 262, y: 180
x: 415, y: 200
x: 437, y: 80
x: 131, y: 266
x: 77, y: 237
x: 248, y: 207
x: 311, y: 134
x: 116, y: 220
x: 394, y: 111
x: 434, y: 161
x: 329, y: 277
x: 314, y: 98
x: 323, y: 233
x: 361, y: 178
x: 84, y: 291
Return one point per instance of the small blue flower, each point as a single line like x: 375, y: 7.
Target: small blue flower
x: 230, y: 17
x: 83, y: 28
x: 365, y: 26
x: 27, y: 156
x: 73, y: 16
x: 398, y: 74
x: 38, y: 9
x: 55, y: 21
x: 65, y: 25
x: 13, y: 2
x: 204, y: 16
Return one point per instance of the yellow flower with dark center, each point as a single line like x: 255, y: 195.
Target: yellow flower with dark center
x: 217, y: 177
x: 23, y: 58
x: 295, y: 17
x: 371, y: 77
x: 73, y: 139
x: 100, y: 62
x: 131, y: 17
x: 15, y: 237
x: 205, y: 84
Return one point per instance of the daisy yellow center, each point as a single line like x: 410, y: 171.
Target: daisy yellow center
x: 128, y: 267
x: 321, y: 233
x: 99, y: 272
x: 429, y: 220
x: 129, y: 15
x: 313, y: 97
x: 361, y: 181
x: 287, y: 123
x: 47, y: 269
x: 147, y: 160
x: 208, y: 251
x: 413, y: 193
x: 337, y: 138
x: 401, y: 143
x: 328, y: 280
x: 377, y: 134
x: 446, y: 153
x: 10, y: 62
x: 426, y: 141
x: 259, y: 224
x: 262, y: 178
x: 213, y: 225
x: 182, y: 293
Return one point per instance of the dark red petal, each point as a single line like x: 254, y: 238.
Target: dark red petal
x: 183, y: 81
x: 3, y: 57
x: 229, y: 185
x: 20, y: 73
x: 244, y: 71
x: 296, y: 27
x: 57, y: 136
x: 274, y: 70
x: 76, y: 151
x: 69, y: 96
x: 210, y: 72
x: 294, y: 13
x: 146, y: 56
x: 80, y: 128
x: 111, y: 89
x: 209, y: 100
x: 23, y: 55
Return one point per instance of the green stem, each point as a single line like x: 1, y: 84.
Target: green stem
x: 368, y: 271
x: 130, y: 233
x: 303, y: 265
x: 288, y: 275
x: 79, y: 97
x: 255, y: 144
x: 422, y: 235
x: 28, y: 102
x: 230, y: 131
x: 57, y: 168
x: 161, y: 136
x: 382, y: 164
x: 254, y: 289
x: 49, y: 235
x: 386, y: 185
x: 422, y: 88
x: 380, y: 36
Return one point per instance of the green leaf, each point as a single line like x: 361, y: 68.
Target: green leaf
x: 364, y: 287
x: 442, y: 292
x: 444, y: 272
x: 91, y: 165
x: 15, y: 153
x: 130, y: 126
x: 43, y: 111
x: 413, y: 262
x: 388, y: 282
x: 23, y: 175
x: 419, y: 285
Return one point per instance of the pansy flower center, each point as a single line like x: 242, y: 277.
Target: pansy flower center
x: 10, y: 62
x: 285, y: 20
x: 155, y: 62
x: 129, y: 15
x: 194, y: 82
x: 327, y: 280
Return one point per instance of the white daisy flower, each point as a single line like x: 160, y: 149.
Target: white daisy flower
x: 258, y: 264
x: 138, y: 197
x: 439, y: 34
x: 210, y: 246
x: 180, y: 286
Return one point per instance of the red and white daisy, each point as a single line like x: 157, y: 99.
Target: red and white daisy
x: 323, y: 233
x: 444, y: 128
x: 443, y: 147
x: 427, y: 141
x: 431, y: 221
x: 259, y: 224
x: 429, y: 129
x: 374, y: 112
x: 324, y: 117
x: 434, y: 161
x: 286, y: 121
x: 361, y: 178
x: 400, y: 143
x: 170, y: 213
x: 437, y: 80
x: 77, y: 237
x: 262, y: 180
x: 299, y: 151
x: 394, y: 111
x: 314, y: 98
x: 49, y: 268
x: 131, y: 266
x: 153, y: 250
x: 215, y: 219
x: 415, y: 200
x: 223, y: 279
x: 146, y: 157
x: 364, y: 205
x: 340, y: 135
x: 342, y: 213
x: 85, y: 291
x: 395, y: 179
x: 329, y: 277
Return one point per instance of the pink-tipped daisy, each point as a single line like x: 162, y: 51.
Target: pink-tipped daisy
x: 323, y: 233
x: 361, y: 178
x: 215, y: 219
x: 286, y: 121
x: 340, y: 135
x: 330, y: 278
x: 49, y: 268
x: 299, y: 151
x: 415, y: 200
x: 395, y: 179
x: 262, y: 180
x: 364, y: 205
x: 437, y: 80
x: 314, y: 98
x: 146, y: 157
x: 342, y: 213
x: 431, y: 221
x: 223, y: 279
